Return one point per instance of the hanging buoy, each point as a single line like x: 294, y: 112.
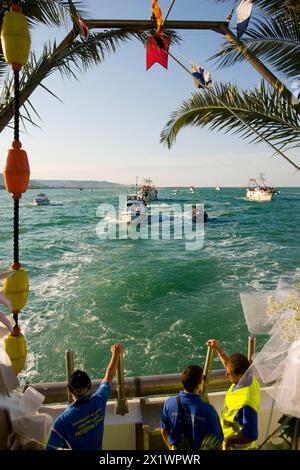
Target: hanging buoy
x: 16, y: 172
x: 15, y: 347
x: 15, y: 37
x: 16, y: 289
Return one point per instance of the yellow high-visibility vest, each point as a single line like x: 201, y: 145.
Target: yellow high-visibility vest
x: 234, y: 401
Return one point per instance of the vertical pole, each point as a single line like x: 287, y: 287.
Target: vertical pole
x: 122, y: 405
x: 206, y: 372
x: 251, y: 347
x: 296, y: 436
x: 69, y: 357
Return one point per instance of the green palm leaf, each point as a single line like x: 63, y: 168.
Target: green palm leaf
x: 272, y: 7
x: 53, y: 12
x: 275, y: 40
x: 69, y: 60
x: 263, y: 109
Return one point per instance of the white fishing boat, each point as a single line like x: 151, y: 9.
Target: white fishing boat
x: 147, y: 191
x: 218, y: 188
x: 41, y: 200
x: 135, y: 207
x: 192, y: 189
x: 257, y: 190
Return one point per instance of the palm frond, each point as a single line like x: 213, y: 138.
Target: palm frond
x: 69, y: 61
x: 53, y: 12
x: 263, y: 109
x: 272, y: 7
x: 210, y: 442
x: 276, y: 41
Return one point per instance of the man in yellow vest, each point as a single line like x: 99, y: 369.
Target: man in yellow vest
x: 239, y: 417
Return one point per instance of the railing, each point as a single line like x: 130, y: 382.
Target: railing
x: 143, y: 386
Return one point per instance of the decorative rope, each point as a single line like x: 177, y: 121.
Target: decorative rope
x: 16, y: 137
x: 229, y: 17
x: 16, y: 231
x: 17, y: 105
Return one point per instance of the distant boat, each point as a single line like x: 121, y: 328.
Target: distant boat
x: 196, y: 213
x: 218, y: 188
x: 192, y: 189
x: 41, y: 200
x: 147, y: 191
x: 257, y: 190
x: 135, y: 207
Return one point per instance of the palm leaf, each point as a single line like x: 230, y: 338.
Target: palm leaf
x: 210, y: 442
x: 48, y: 12
x: 275, y: 40
x: 69, y: 60
x: 272, y: 7
x: 263, y: 109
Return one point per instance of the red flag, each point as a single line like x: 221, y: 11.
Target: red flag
x: 156, y: 53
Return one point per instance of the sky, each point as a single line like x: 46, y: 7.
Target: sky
x: 108, y: 123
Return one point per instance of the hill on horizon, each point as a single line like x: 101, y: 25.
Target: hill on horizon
x: 65, y: 184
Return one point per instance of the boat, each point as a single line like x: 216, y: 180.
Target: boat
x: 192, y: 189
x: 135, y: 207
x: 41, y: 200
x: 218, y: 188
x: 257, y: 190
x: 196, y: 213
x: 147, y: 191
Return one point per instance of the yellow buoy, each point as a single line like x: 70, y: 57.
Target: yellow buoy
x: 15, y: 346
x: 15, y: 37
x: 16, y: 289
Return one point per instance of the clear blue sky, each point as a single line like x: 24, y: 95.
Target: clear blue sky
x: 109, y: 122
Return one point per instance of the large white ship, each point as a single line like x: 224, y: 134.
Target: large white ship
x: 257, y: 190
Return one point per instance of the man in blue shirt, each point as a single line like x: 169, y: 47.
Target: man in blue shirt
x: 200, y: 419
x: 80, y: 426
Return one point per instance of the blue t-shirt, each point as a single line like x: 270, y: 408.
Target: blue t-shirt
x: 201, y: 417
x: 80, y: 426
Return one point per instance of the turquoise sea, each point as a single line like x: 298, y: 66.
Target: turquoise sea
x: 160, y: 300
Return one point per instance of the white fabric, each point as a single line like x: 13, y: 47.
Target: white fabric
x: 22, y: 407
x: 278, y: 315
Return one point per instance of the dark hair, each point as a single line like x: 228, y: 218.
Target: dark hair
x: 78, y: 381
x: 191, y: 377
x: 239, y: 363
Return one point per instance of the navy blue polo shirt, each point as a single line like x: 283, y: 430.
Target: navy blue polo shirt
x: 80, y: 426
x: 202, y: 419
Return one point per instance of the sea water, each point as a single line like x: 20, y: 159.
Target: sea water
x: 160, y: 300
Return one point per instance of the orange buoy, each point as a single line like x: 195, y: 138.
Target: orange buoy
x: 16, y: 172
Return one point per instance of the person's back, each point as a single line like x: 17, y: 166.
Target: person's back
x: 80, y: 426
x: 194, y: 420
x: 201, y: 420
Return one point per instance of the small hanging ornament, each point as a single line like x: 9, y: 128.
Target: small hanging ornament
x: 15, y: 37
x: 16, y: 289
x: 15, y: 347
x: 16, y: 171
